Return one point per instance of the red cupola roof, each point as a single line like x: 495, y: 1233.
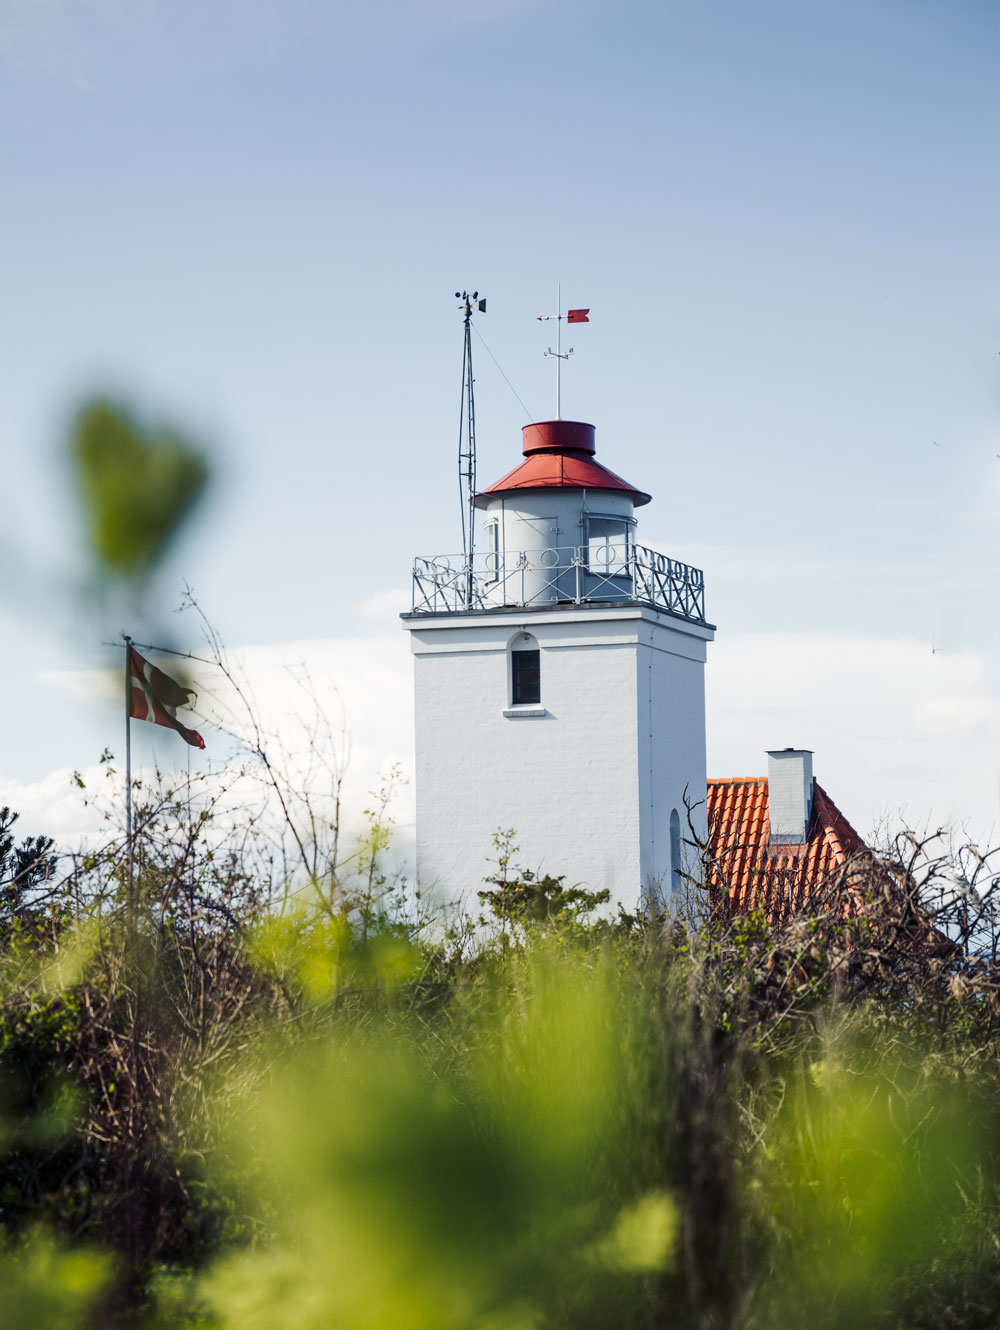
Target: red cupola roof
x: 560, y: 455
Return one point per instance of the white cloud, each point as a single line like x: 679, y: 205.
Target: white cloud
x: 358, y: 687
x: 53, y: 806
x: 319, y: 705
x: 893, y: 726
x: 91, y: 686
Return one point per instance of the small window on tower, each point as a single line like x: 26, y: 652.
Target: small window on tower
x: 676, y: 881
x: 525, y: 673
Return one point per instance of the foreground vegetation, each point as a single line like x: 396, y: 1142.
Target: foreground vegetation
x: 229, y: 1104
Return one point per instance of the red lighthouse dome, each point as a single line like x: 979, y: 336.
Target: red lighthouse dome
x: 559, y: 454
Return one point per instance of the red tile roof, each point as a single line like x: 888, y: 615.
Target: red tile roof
x: 752, y: 874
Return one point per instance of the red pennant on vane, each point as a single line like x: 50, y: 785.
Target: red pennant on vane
x: 577, y: 316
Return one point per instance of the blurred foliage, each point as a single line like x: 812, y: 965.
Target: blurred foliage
x: 294, y: 1109
x: 862, y: 1187
x: 433, y: 1192
x: 320, y: 957
x: 137, y: 486
x: 43, y: 1287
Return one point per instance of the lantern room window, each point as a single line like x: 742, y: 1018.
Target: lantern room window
x: 609, y: 546
x: 492, y: 551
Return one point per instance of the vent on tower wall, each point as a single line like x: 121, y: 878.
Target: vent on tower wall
x: 789, y: 794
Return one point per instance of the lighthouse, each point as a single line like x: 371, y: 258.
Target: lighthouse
x: 559, y: 684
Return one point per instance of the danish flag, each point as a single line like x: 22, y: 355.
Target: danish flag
x: 154, y: 696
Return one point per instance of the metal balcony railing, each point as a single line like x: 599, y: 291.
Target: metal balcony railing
x: 573, y: 575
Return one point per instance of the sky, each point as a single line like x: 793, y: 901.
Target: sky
x: 249, y: 219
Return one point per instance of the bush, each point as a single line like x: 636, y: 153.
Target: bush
x: 314, y: 1108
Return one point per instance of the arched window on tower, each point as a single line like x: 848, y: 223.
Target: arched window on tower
x: 675, y: 852
x: 525, y: 671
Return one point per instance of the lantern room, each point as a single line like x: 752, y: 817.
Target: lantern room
x: 560, y: 526
x: 560, y: 529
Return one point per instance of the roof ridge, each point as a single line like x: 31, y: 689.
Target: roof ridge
x: 836, y: 828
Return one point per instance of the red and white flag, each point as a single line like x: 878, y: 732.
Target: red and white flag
x: 154, y: 696
x: 577, y: 316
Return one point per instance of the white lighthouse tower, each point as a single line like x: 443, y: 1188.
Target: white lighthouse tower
x: 559, y: 684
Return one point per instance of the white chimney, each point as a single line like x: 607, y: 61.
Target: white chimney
x: 789, y: 794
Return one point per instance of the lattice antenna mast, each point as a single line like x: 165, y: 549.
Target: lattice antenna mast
x: 467, y: 436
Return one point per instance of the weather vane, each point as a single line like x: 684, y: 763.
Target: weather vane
x: 558, y: 355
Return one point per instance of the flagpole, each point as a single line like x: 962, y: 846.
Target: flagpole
x: 558, y: 350
x: 571, y: 316
x: 128, y: 769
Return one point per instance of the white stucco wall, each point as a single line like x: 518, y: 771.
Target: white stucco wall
x: 588, y: 778
x: 671, y: 732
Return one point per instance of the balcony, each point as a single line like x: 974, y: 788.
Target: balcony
x: 573, y: 575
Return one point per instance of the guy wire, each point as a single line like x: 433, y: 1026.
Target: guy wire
x: 502, y: 375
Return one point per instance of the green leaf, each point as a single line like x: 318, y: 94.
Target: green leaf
x: 137, y: 486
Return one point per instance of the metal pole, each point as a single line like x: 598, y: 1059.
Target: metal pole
x: 472, y: 455
x: 128, y: 771
x: 461, y: 437
x: 467, y: 443
x: 558, y: 351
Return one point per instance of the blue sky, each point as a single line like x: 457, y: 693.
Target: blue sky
x: 251, y: 217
